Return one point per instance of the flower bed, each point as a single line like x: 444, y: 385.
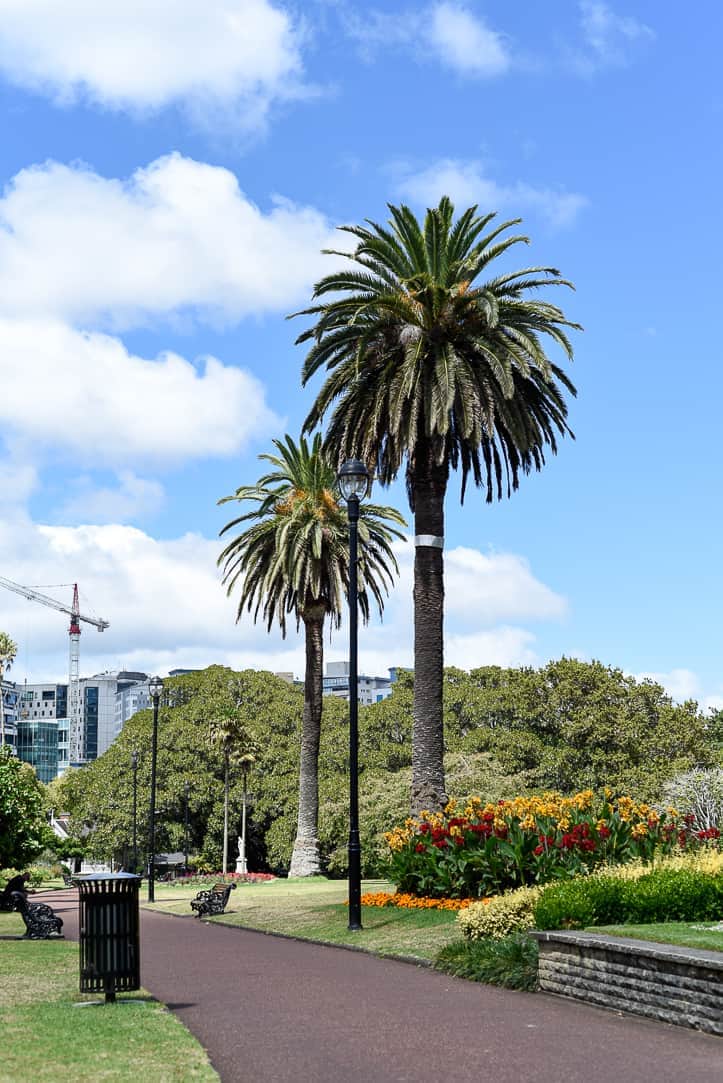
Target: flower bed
x: 413, y: 902
x: 204, y: 879
x: 485, y: 849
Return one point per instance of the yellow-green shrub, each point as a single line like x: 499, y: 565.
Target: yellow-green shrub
x: 505, y: 914
x: 501, y: 915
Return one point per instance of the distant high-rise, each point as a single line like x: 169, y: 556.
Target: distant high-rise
x: 369, y: 689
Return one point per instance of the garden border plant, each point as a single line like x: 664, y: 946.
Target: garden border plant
x: 485, y: 849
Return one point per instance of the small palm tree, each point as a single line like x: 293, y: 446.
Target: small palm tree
x: 292, y: 559
x: 225, y: 732
x: 8, y: 654
x: 430, y: 367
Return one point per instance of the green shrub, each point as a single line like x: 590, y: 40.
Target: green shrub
x: 38, y: 875
x: 6, y: 875
x: 511, y: 962
x: 500, y: 916
x: 659, y: 896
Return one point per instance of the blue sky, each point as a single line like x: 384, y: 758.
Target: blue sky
x: 170, y: 172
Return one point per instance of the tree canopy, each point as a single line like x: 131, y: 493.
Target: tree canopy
x: 566, y: 726
x: 23, y: 828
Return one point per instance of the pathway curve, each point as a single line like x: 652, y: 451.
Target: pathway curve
x: 270, y: 1010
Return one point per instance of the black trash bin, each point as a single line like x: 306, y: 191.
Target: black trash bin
x: 109, y: 942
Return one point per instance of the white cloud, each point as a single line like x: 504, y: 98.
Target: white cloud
x: 681, y: 684
x: 466, y: 183
x: 167, y: 608
x: 465, y: 43
x: 483, y: 589
x: 179, y: 235
x: 608, y: 37
x: 132, y: 498
x: 239, y: 55
x: 446, y: 31
x: 85, y: 394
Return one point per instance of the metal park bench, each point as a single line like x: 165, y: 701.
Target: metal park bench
x: 212, y: 901
x: 41, y: 921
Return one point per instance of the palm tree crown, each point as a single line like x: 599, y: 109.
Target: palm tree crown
x: 418, y: 350
x: 293, y: 558
x: 427, y: 364
x: 294, y: 552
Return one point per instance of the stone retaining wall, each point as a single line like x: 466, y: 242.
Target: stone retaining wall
x: 675, y: 985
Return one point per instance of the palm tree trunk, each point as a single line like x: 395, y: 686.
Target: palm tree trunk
x: 429, y: 483
x: 305, y: 856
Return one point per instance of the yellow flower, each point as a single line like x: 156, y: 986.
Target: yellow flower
x: 639, y: 831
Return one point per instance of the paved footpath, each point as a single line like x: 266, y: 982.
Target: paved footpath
x: 270, y: 1010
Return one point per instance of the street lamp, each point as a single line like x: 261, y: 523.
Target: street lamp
x: 354, y: 483
x: 246, y: 763
x: 134, y: 768
x: 155, y: 688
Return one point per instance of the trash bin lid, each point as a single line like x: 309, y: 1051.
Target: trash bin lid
x: 107, y: 876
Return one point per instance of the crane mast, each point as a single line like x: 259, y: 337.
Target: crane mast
x: 76, y: 731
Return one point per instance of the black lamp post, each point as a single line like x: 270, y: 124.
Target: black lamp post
x: 187, y: 792
x: 155, y: 688
x: 134, y: 767
x: 354, y: 483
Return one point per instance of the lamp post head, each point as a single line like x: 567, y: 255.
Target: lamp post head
x: 134, y: 758
x: 354, y: 480
x: 155, y: 687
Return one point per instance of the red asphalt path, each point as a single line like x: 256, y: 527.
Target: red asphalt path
x: 271, y: 1010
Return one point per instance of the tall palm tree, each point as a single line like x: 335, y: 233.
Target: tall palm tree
x: 8, y: 653
x: 292, y: 559
x: 430, y: 366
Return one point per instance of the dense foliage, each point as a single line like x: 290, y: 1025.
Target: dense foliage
x: 23, y: 830
x: 661, y: 895
x: 510, y: 962
x: 509, y: 732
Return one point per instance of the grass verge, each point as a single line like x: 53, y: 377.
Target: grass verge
x: 313, y: 908
x: 46, y: 1037
x: 698, y: 934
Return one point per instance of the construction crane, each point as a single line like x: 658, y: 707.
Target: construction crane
x: 76, y: 750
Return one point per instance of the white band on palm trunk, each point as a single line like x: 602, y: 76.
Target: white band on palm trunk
x: 431, y: 540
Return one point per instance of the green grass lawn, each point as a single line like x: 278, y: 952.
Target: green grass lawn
x: 314, y: 909
x: 685, y: 934
x: 46, y: 1038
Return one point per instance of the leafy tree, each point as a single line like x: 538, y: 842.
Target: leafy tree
x: 8, y: 653
x: 431, y: 367
x: 23, y: 830
x: 292, y: 557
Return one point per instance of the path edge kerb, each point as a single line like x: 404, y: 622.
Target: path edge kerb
x: 411, y: 960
